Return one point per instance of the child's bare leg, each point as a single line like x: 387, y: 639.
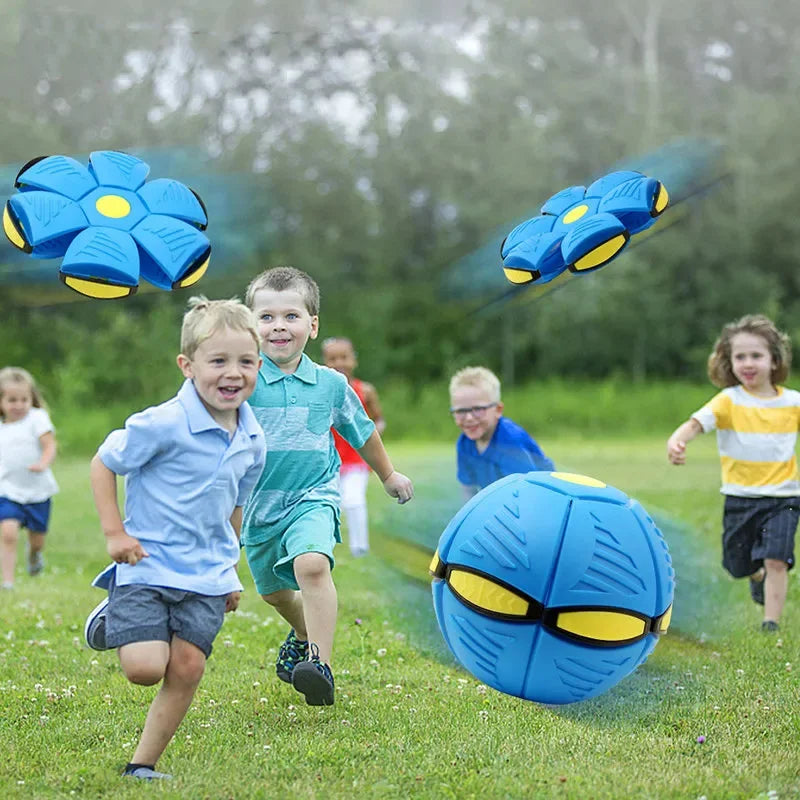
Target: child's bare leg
x: 775, y: 586
x: 36, y: 542
x: 9, y: 534
x: 184, y: 669
x: 289, y: 604
x: 313, y: 574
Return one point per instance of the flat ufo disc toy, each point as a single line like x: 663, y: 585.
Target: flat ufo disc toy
x: 107, y: 224
x: 583, y: 229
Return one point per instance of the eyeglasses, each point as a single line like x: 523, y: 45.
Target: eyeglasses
x: 596, y: 625
x: 476, y: 411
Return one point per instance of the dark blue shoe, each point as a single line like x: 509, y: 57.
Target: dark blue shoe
x: 94, y: 631
x: 314, y: 679
x: 292, y: 652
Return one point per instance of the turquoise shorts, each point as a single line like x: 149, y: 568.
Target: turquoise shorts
x: 271, y: 562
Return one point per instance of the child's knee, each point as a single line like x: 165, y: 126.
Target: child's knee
x: 187, y: 663
x: 774, y: 565
x: 311, y: 567
x: 9, y: 531
x: 280, y: 598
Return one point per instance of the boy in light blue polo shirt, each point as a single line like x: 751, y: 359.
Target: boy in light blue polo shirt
x: 189, y: 465
x: 291, y: 521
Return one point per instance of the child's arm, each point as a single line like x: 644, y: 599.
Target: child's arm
x: 48, y: 443
x: 676, y: 444
x: 396, y: 484
x: 232, y: 600
x: 121, y: 547
x: 373, y: 407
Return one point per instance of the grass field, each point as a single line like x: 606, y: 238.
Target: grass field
x: 408, y: 722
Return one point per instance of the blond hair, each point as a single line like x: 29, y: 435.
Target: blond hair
x: 279, y: 279
x: 206, y: 317
x: 720, y: 367
x: 20, y: 376
x: 480, y: 378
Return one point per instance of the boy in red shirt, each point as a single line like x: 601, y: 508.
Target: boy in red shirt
x: 338, y: 353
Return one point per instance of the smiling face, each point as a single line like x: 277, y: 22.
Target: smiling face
x: 224, y: 369
x: 16, y: 400
x: 752, y: 363
x: 284, y: 325
x: 475, y: 413
x: 338, y: 354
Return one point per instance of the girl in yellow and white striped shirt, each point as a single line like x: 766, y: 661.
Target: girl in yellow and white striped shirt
x: 756, y: 420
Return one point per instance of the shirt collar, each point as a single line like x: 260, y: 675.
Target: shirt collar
x: 306, y: 370
x: 201, y: 420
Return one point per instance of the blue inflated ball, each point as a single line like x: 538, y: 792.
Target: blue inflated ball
x: 552, y: 586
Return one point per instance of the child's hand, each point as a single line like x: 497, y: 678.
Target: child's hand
x: 232, y: 601
x: 37, y: 467
x: 676, y: 450
x: 125, y: 549
x: 397, y: 485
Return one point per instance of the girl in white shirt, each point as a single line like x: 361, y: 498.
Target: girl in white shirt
x: 27, y: 449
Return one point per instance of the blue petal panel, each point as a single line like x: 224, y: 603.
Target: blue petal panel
x: 46, y: 215
x: 104, y: 254
x: 540, y: 254
x: 112, y: 168
x: 608, y: 182
x: 588, y: 234
x: 561, y: 201
x: 60, y: 174
x: 632, y: 202
x: 172, y: 246
x: 526, y: 230
x: 171, y: 197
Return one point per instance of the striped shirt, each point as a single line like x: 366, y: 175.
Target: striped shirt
x: 756, y: 438
x: 296, y: 413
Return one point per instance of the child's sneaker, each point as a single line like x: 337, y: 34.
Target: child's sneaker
x: 145, y: 774
x: 757, y: 589
x: 770, y: 626
x: 94, y: 631
x: 35, y: 562
x: 291, y: 653
x: 314, y: 679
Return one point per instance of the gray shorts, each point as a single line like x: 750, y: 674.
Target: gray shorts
x: 138, y: 613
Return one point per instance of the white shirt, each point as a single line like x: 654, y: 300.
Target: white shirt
x: 19, y: 448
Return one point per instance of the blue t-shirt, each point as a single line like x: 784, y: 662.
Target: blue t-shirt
x: 511, y: 450
x: 184, y: 475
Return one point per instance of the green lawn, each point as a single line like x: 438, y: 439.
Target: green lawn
x: 408, y: 722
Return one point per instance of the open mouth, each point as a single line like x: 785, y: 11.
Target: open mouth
x: 229, y: 392
x: 279, y: 342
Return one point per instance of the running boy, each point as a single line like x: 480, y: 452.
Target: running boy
x: 291, y: 522
x: 338, y: 353
x: 756, y: 421
x: 490, y: 446
x: 189, y: 464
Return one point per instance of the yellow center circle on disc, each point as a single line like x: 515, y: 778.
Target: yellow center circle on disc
x: 574, y: 214
x: 112, y: 205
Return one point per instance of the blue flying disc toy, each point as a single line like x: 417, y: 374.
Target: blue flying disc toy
x: 583, y: 229
x: 108, y: 225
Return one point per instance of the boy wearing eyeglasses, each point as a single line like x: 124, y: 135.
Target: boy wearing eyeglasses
x: 490, y: 446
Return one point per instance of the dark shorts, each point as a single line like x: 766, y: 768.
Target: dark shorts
x: 33, y: 516
x: 138, y: 613
x: 755, y: 528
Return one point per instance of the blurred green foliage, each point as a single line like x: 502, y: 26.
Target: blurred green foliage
x: 391, y: 142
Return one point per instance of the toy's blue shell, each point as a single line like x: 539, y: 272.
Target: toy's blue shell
x: 568, y: 586
x: 108, y: 225
x: 583, y: 229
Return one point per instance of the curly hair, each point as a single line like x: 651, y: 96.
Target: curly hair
x: 720, y: 368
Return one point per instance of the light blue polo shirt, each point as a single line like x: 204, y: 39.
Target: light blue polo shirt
x: 184, y: 474
x: 296, y: 412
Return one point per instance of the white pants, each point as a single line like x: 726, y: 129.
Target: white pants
x: 353, y: 489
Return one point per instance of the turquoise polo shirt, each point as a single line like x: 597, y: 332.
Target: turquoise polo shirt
x: 184, y: 475
x: 296, y: 413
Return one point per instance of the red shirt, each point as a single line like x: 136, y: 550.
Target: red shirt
x: 348, y: 454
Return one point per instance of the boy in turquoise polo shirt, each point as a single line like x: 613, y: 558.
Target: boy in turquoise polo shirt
x: 189, y: 464
x: 291, y: 521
